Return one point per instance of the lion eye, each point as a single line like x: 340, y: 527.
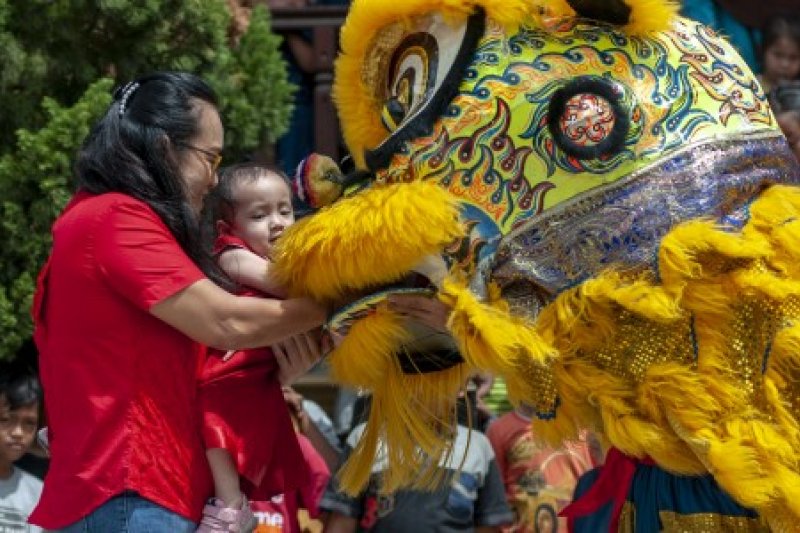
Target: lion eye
x: 414, y: 69
x: 412, y: 78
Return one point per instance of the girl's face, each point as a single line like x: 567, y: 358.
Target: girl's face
x: 263, y: 210
x: 782, y: 61
x: 200, y: 157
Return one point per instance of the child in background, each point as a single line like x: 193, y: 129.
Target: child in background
x: 780, y: 51
x: 20, y: 403
x: 470, y: 499
x: 539, y: 480
x: 251, y: 445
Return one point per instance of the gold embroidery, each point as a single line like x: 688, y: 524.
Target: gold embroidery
x: 709, y: 523
x: 627, y: 519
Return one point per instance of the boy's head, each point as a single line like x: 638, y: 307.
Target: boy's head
x: 20, y: 401
x: 253, y: 202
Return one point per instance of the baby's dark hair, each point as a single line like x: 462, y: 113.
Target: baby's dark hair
x: 778, y: 27
x: 221, y: 203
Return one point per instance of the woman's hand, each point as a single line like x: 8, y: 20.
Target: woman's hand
x: 294, y: 401
x: 424, y: 309
x: 297, y: 355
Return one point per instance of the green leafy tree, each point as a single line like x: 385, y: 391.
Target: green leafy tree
x: 254, y: 88
x: 61, y: 60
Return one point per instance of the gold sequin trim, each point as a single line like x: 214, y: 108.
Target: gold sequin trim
x: 641, y: 343
x: 709, y: 523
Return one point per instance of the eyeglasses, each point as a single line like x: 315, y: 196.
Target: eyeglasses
x: 213, y: 158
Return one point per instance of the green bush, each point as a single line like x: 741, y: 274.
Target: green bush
x: 60, y: 62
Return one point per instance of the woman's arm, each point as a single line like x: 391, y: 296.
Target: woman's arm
x: 250, y: 270
x: 212, y: 316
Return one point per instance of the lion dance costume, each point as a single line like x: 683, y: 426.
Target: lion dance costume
x: 600, y: 192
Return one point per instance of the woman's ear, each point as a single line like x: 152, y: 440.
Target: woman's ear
x: 167, y: 147
x: 163, y: 142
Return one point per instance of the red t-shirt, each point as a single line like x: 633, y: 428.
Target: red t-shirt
x: 119, y: 383
x: 539, y: 480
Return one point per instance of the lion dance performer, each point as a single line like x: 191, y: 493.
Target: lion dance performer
x: 601, y: 194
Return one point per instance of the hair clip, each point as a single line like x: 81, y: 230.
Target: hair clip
x: 127, y: 91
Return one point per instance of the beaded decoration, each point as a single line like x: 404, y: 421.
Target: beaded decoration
x: 127, y: 91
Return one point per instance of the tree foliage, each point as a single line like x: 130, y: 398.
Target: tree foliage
x: 61, y: 60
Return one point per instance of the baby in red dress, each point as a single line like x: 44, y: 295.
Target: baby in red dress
x: 251, y: 445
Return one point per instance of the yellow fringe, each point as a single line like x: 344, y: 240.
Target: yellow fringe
x: 410, y: 415
x: 492, y: 339
x: 693, y: 418
x: 373, y: 238
x: 366, y: 355
x: 548, y: 11
x: 409, y: 427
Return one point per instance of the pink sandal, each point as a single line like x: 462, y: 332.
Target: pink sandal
x: 217, y: 518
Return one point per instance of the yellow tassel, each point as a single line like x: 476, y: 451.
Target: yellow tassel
x: 774, y: 207
x: 784, y: 358
x: 409, y: 431
x: 372, y: 238
x: 366, y: 355
x: 685, y: 252
x: 410, y: 415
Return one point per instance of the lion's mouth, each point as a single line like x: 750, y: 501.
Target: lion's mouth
x: 412, y: 283
x: 357, y: 304
x: 425, y: 278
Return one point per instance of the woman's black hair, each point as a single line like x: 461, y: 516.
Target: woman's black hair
x: 778, y: 27
x: 130, y: 151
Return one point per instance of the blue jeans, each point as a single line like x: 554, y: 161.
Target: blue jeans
x: 130, y: 513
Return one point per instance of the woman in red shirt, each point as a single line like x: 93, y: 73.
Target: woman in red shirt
x: 121, y: 310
